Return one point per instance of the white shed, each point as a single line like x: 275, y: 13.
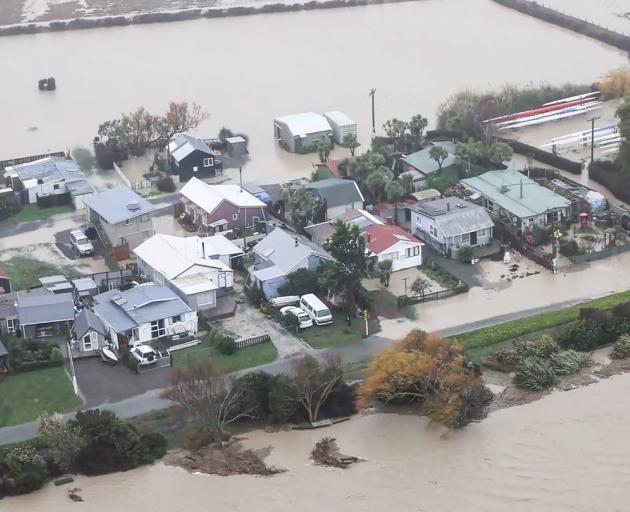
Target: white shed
x: 341, y: 125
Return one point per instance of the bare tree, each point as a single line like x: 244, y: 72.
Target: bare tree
x: 315, y: 382
x: 181, y: 117
x: 211, y: 396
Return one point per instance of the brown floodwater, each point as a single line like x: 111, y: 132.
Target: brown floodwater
x: 246, y: 70
x: 566, y: 452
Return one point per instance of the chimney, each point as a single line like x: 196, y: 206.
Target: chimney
x: 203, y: 250
x: 390, y: 221
x: 448, y: 206
x: 369, y: 238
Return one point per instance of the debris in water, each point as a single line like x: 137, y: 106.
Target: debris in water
x: 73, y: 494
x: 326, y: 453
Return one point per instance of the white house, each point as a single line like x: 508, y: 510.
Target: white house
x: 341, y: 125
x: 449, y: 223
x: 387, y: 242
x: 144, y: 313
x: 53, y: 175
x: 197, y: 269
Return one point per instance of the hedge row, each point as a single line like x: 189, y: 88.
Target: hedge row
x: 610, y: 176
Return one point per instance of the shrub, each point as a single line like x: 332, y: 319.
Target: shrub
x: 300, y: 282
x: 541, y: 348
x: 166, y: 184
x: 25, y: 471
x: 569, y: 362
x: 56, y: 356
x: 586, y: 335
x: 622, y: 347
x: 465, y: 254
x: 226, y: 345
x: 282, y: 400
x: 153, y: 447
x: 535, y: 374
x: 269, y: 397
x: 27, y: 355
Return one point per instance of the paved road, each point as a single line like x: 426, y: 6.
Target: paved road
x: 352, y: 353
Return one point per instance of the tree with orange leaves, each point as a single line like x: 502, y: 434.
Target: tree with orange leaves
x: 430, y: 370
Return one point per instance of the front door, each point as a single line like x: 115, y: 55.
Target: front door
x: 473, y: 238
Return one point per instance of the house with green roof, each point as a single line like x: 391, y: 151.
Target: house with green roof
x: 513, y: 197
x: 421, y: 166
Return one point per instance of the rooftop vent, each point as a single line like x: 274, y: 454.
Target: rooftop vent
x: 461, y: 205
x: 133, y: 206
x: 504, y: 189
x: 119, y: 300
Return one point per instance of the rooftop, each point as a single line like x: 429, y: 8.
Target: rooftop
x: 455, y: 216
x: 183, y: 145
x: 337, y: 192
x: 140, y: 305
x: 118, y: 204
x: 305, y: 123
x: 339, y: 118
x: 422, y: 161
x: 48, y: 169
x: 516, y: 193
x: 86, y: 320
x: 209, y: 197
x: 319, y: 233
x: 380, y: 237
x: 39, y: 306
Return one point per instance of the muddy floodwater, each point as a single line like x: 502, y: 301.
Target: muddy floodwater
x: 246, y: 70
x: 566, y: 452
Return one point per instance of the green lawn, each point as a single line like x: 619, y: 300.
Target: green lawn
x: 31, y: 212
x: 25, y: 271
x: 243, y: 358
x: 510, y: 330
x: 84, y: 159
x: 409, y: 310
x: 338, y: 333
x: 23, y: 397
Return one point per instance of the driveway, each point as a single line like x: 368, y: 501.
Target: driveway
x: 469, y: 274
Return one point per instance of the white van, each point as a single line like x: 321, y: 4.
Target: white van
x: 316, y: 309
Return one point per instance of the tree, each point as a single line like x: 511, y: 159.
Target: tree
x: 395, y: 129
x: 384, y: 269
x: 623, y: 113
x: 350, y: 141
x: 300, y: 282
x: 64, y: 440
x: 323, y: 148
x: 407, y: 137
x: 343, y: 276
x: 432, y: 371
x: 500, y: 152
x: 395, y: 192
x: 208, y: 395
x: 420, y: 286
x: 406, y: 181
x: 439, y: 154
x: 377, y: 181
x: 315, y: 382
x: 179, y: 118
x: 304, y: 205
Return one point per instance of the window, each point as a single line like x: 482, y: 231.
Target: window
x: 195, y: 168
x: 157, y: 328
x: 418, y: 220
x: 55, y: 187
x: 127, y: 222
x: 208, y: 162
x: 204, y: 298
x: 481, y: 232
x: 12, y: 325
x: 135, y: 334
x: 490, y: 205
x: 413, y: 251
x: 390, y: 256
x: 90, y: 341
x: 144, y: 218
x: 235, y: 216
x: 433, y: 231
x: 466, y: 238
x: 177, y: 318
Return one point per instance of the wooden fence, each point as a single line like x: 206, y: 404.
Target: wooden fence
x: 504, y: 233
x: 119, y: 252
x: 26, y: 159
x: 405, y: 300
x: 248, y: 342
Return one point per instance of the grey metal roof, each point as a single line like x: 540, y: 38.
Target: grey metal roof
x: 84, y: 284
x: 118, y: 204
x: 455, y: 216
x: 422, y: 161
x: 78, y: 188
x: 49, y: 169
x: 319, y: 233
x: 140, y: 305
x: 287, y: 250
x: 40, y: 307
x: 336, y: 191
x: 8, y: 309
x: 195, y: 142
x: 85, y: 321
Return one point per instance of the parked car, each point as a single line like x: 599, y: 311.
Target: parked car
x: 145, y: 355
x: 304, y: 320
x: 316, y: 309
x: 81, y: 243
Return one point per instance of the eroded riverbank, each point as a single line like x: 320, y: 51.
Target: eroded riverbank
x: 567, y: 451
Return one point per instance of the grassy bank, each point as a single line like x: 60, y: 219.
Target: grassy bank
x: 25, y: 396
x: 244, y: 358
x: 491, y: 336
x: 24, y: 271
x: 32, y: 212
x: 339, y: 332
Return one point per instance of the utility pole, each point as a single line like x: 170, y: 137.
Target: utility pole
x: 405, y: 281
x: 592, y: 120
x: 372, y: 93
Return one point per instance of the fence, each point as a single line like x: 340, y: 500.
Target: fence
x: 248, y: 342
x: 606, y: 253
x: 119, y: 252
x: 405, y: 300
x: 141, y: 185
x: 543, y: 156
x: 52, y: 200
x: 121, y: 175
x: 505, y: 234
x: 26, y: 159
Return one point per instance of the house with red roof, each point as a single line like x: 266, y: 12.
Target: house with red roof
x: 386, y: 242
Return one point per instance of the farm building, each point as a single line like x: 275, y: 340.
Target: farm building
x: 299, y: 133
x: 341, y: 125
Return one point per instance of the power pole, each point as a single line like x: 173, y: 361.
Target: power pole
x: 592, y: 120
x: 372, y: 93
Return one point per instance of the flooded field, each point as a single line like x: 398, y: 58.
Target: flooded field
x: 566, y: 452
x: 245, y: 71
x: 612, y: 14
